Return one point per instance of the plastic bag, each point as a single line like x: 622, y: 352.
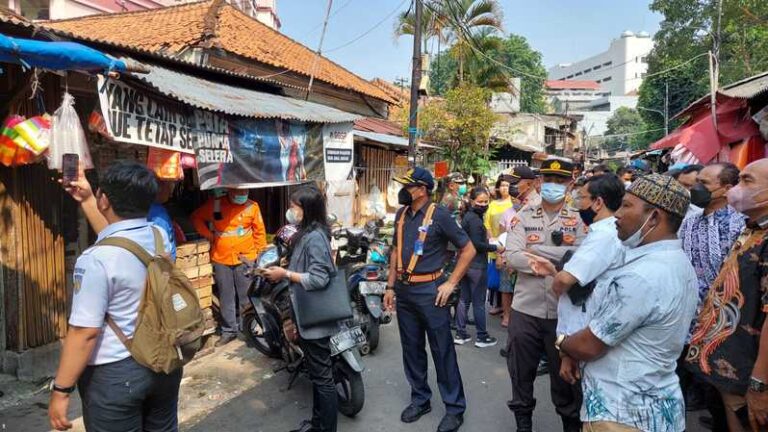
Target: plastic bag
x: 165, y: 163
x: 68, y: 136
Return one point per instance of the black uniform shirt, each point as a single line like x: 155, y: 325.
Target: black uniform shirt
x: 442, y: 230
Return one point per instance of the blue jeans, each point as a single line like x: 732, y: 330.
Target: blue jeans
x: 126, y: 396
x: 473, y: 291
x: 419, y: 321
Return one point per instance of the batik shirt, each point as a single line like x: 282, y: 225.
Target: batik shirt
x: 641, y: 311
x: 707, y: 239
x: 726, y: 337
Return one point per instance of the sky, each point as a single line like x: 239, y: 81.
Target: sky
x: 360, y: 34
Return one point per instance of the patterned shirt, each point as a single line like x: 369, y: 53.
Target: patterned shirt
x: 641, y: 311
x: 707, y: 239
x: 726, y: 337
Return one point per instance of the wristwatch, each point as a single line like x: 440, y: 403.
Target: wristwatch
x: 757, y: 386
x: 66, y: 390
x: 559, y: 341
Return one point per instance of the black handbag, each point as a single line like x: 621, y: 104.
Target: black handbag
x: 578, y: 293
x: 324, y: 306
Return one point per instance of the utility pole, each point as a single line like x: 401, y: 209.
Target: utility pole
x: 666, y: 108
x: 413, y: 123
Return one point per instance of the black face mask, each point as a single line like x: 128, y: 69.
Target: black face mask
x: 480, y: 209
x: 404, y: 197
x: 514, y: 191
x: 587, y: 216
x: 700, y: 195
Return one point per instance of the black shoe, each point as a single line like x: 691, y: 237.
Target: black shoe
x: 485, y: 342
x: 543, y: 368
x: 524, y: 422
x: 305, y: 426
x: 414, y: 412
x: 503, y: 352
x: 571, y: 424
x: 225, y: 339
x: 707, y: 422
x: 450, y: 423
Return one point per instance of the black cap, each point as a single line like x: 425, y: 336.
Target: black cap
x: 557, y: 167
x: 417, y: 177
x: 522, y: 172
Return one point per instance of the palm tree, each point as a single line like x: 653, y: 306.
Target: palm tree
x: 466, y: 19
x: 433, y: 25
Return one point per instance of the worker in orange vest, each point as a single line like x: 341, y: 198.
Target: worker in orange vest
x: 234, y: 226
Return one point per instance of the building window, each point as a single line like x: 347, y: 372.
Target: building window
x: 578, y: 74
x: 587, y: 71
x: 596, y: 67
x: 569, y: 77
x: 644, y: 59
x: 606, y: 79
x: 608, y: 63
x: 34, y: 9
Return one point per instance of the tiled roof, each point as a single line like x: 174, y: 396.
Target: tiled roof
x: 400, y: 95
x: 387, y: 127
x: 11, y: 17
x: 572, y: 85
x: 171, y: 30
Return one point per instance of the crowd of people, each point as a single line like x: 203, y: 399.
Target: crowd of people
x: 643, y: 294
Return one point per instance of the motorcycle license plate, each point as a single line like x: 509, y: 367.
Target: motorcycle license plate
x: 369, y: 287
x: 346, y: 340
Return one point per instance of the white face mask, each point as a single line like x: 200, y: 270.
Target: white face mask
x: 637, y: 238
x: 292, y: 217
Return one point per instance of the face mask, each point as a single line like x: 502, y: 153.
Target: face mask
x: 587, y: 215
x: 553, y: 192
x: 219, y: 193
x: 743, y: 200
x: 239, y: 199
x: 291, y: 217
x: 514, y: 191
x: 480, y: 209
x: 404, y: 197
x: 626, y: 184
x: 637, y: 238
x: 700, y: 195
x: 462, y: 190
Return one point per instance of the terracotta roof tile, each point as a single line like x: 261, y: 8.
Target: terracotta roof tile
x: 170, y: 30
x: 572, y: 85
x: 370, y: 124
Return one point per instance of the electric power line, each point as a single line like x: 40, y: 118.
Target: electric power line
x: 367, y: 32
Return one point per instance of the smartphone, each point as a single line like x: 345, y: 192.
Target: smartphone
x: 70, y: 167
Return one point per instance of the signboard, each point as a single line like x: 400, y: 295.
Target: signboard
x: 441, y: 169
x: 135, y: 116
x: 338, y: 143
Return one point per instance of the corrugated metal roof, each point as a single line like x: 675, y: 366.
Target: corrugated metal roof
x: 370, y: 124
x: 239, y: 101
x: 748, y: 88
x: 387, y: 139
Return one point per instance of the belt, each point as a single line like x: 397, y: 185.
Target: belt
x: 413, y: 279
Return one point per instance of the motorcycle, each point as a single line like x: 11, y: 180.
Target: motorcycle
x: 364, y: 256
x: 268, y: 325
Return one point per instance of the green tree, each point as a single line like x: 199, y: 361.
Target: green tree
x: 689, y: 28
x: 465, y: 19
x: 627, y: 123
x: 514, y: 52
x: 460, y: 124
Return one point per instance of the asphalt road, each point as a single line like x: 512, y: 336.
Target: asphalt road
x: 271, y: 408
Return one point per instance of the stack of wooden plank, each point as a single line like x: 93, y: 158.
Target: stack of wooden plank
x: 194, y: 259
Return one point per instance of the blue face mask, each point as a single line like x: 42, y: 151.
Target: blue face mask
x: 553, y: 193
x: 239, y: 199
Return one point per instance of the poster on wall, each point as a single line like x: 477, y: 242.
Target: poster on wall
x: 338, y: 142
x: 266, y: 152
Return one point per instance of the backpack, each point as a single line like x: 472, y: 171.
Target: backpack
x: 169, y: 326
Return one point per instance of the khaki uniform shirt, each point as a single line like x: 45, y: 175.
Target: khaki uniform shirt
x: 532, y: 230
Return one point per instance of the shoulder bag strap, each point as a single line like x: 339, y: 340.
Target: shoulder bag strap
x: 131, y: 246
x: 400, y: 224
x: 422, y: 236
x: 119, y: 333
x: 159, y: 246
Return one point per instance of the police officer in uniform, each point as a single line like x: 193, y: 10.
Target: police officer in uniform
x: 422, y: 233
x: 548, y: 230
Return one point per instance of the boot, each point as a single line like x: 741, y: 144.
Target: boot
x: 524, y: 422
x: 571, y: 424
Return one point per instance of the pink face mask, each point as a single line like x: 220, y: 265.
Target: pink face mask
x: 743, y: 200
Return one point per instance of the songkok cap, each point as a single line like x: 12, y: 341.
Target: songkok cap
x: 663, y: 192
x: 417, y: 177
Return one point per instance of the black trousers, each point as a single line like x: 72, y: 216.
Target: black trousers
x: 529, y: 338
x: 689, y: 384
x: 126, y: 396
x: 325, y: 402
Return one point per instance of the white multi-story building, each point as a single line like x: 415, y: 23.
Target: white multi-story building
x: 619, y: 70
x: 263, y: 10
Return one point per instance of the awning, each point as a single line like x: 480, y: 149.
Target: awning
x: 239, y: 101
x: 699, y: 136
x: 388, y: 139
x: 56, y: 55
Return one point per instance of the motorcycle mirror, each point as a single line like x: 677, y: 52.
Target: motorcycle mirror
x: 332, y: 219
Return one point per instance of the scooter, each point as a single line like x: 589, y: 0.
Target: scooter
x: 364, y: 256
x: 268, y: 325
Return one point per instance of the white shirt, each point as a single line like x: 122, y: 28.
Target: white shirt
x: 110, y: 280
x: 642, y: 311
x: 601, y: 250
